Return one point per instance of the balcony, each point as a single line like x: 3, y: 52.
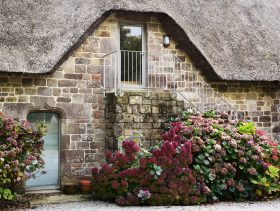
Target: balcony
x: 157, y: 72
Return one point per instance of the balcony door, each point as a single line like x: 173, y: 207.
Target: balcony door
x: 132, y: 55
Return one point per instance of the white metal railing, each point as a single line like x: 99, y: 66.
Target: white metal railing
x: 128, y: 70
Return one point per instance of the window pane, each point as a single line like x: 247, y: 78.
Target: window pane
x: 131, y: 54
x: 131, y: 38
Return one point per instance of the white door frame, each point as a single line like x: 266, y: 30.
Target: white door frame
x: 144, y: 54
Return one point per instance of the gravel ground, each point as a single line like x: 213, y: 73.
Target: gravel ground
x: 273, y: 205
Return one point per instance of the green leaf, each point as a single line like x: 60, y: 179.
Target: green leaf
x: 247, y: 128
x: 206, y: 162
x: 7, y: 191
x: 273, y: 171
x: 254, y: 181
x: 233, y: 156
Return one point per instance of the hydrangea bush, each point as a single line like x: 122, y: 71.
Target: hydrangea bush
x: 157, y: 176
x: 202, y: 158
x: 233, y: 159
x: 20, y: 154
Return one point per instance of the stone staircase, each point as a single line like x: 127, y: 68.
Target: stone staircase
x: 167, y: 73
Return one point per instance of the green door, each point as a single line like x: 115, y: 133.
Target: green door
x: 50, y: 180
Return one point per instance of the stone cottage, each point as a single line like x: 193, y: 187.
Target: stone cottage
x: 96, y: 70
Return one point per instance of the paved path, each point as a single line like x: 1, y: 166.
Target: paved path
x: 273, y: 205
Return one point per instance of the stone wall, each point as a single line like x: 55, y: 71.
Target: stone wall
x: 139, y: 112
x: 78, y: 100
x: 258, y: 100
x: 74, y: 91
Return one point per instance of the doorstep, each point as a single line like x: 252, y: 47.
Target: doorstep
x: 60, y: 198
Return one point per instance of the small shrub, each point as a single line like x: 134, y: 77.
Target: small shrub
x: 159, y: 176
x: 20, y: 154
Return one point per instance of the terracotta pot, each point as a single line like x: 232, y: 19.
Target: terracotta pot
x: 70, y: 188
x: 85, y: 186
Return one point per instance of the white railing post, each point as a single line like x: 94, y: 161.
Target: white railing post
x: 104, y: 77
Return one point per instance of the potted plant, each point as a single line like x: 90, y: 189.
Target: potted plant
x: 85, y: 186
x: 70, y: 188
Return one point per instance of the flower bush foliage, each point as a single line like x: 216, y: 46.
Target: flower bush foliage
x: 202, y: 158
x: 20, y: 154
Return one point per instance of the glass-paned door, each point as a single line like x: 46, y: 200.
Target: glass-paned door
x: 131, y: 47
x: 49, y: 180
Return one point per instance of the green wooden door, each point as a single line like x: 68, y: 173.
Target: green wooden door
x: 49, y: 180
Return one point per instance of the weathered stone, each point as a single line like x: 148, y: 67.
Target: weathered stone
x: 4, y: 79
x: 4, y: 94
x: 73, y: 156
x: 90, y: 48
x: 276, y: 129
x: 75, y: 111
x: 10, y: 99
x: 275, y: 117
x: 85, y: 91
x: 64, y: 99
x: 260, y: 103
x: 87, y: 138
x: 255, y: 119
x: 99, y: 146
x: 75, y: 138
x: 135, y: 100
x: 99, y: 136
x: 27, y: 81
x: 77, y: 98
x: 265, y: 118
x: 82, y: 61
x: 18, y: 91
x: 93, y: 84
x: 56, y: 91
x: 251, y: 97
x: 75, y: 128
x: 122, y: 100
x: 266, y: 124
x: 138, y: 118
x: 52, y: 83
x: 73, y: 76
x: 98, y: 114
x: 67, y: 83
x: 125, y: 118
x: 90, y: 155
x: 40, y: 81
x: 74, y: 90
x: 94, y: 69
x: 80, y: 68
x: 66, y: 90
x: 65, y: 142
x: 46, y: 91
x: 155, y: 110
x: 39, y: 101
x: 16, y: 110
x: 82, y: 145
x: 30, y: 91
x: 90, y: 98
x: 23, y: 99
x: 144, y: 109
x: 107, y: 45
x: 237, y: 96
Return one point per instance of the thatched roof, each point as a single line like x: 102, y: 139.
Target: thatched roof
x: 237, y: 39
